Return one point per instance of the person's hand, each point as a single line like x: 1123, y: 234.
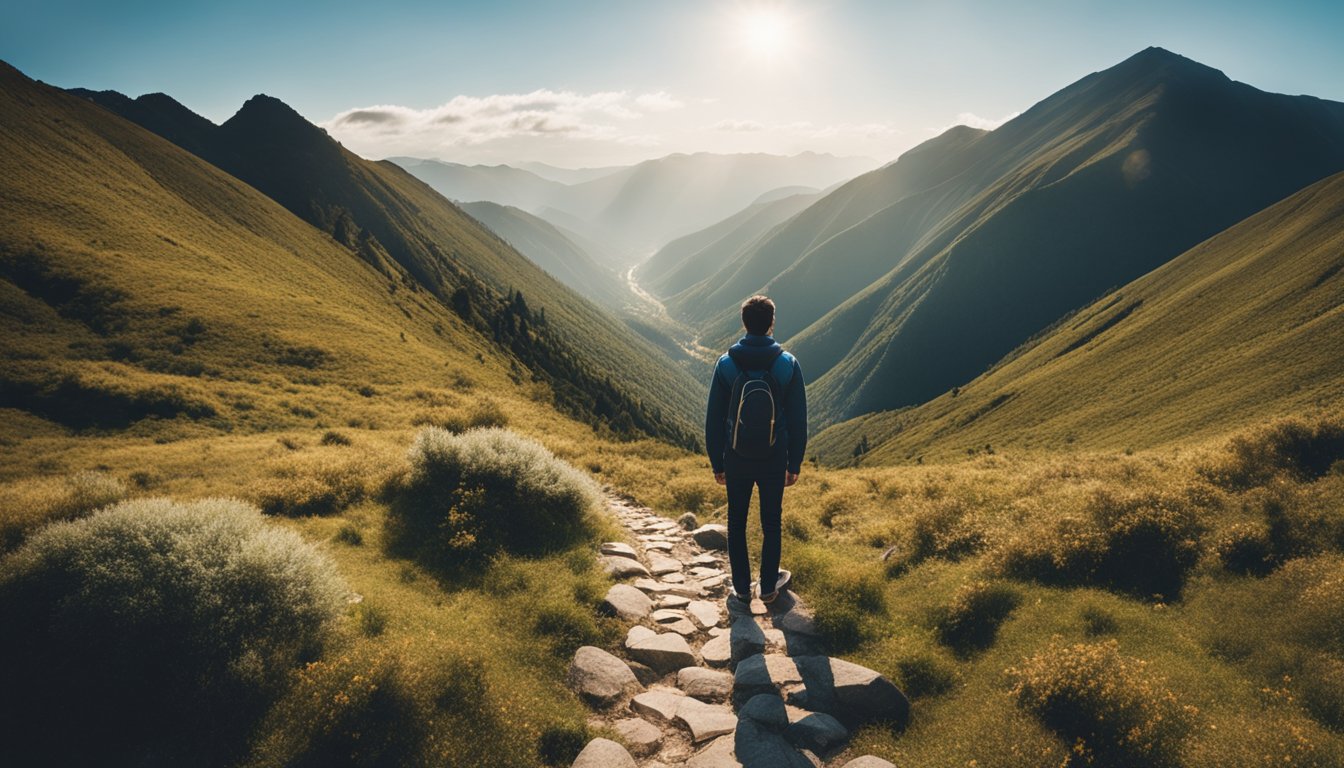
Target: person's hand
x: 790, y: 478
x: 720, y: 478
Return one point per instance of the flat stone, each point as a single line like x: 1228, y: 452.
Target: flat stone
x: 816, y: 731
x: 664, y: 652
x: 600, y: 678
x: 796, y: 621
x: 666, y: 525
x: 667, y: 615
x: 775, y: 640
x: 626, y: 602
x: 705, y: 571
x: 716, y: 631
x: 674, y: 578
x: 618, y: 549
x: 705, y: 613
x: 745, y: 638
x: 604, y: 753
x: 711, y: 536
x: 688, y: 521
x: 705, y: 684
x: 772, y: 675
x: 710, y: 582
x: 637, y: 633
x: 642, y: 737
x: 623, y: 567
x: 658, y: 706
x: 688, y: 589
x: 673, y: 601
x: 717, y: 652
x: 705, y: 721
x: 757, y: 746
x: 706, y: 559
x: 682, y: 627
x: 659, y: 546
x: 662, y: 564
x: 649, y: 585
x: 767, y: 710
x: 719, y: 754
x: 868, y: 761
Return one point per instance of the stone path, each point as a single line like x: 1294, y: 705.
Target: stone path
x: 705, y: 680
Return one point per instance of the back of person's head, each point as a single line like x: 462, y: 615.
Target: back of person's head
x: 758, y: 315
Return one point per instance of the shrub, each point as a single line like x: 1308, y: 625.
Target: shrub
x: 925, y: 675
x: 1302, y: 449
x: 1108, y: 705
x: 1246, y: 549
x: 941, y: 527
x: 486, y: 491
x: 1098, y: 621
x: 970, y: 622
x: 155, y: 631
x: 560, y: 744
x: 692, y: 494
x: 316, y: 484
x: 1143, y: 543
x: 28, y: 505
x: 349, y: 534
x: 850, y: 598
x: 332, y: 437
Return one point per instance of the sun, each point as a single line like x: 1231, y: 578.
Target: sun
x: 767, y: 33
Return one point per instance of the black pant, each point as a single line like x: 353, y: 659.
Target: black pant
x: 742, y: 476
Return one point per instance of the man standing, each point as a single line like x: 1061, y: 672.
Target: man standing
x: 756, y: 432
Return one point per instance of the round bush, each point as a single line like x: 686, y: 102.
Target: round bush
x: 155, y: 631
x: 1107, y: 705
x: 971, y: 621
x: 486, y: 491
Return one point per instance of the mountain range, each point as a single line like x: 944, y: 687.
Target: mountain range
x: 421, y: 243
x: 914, y: 278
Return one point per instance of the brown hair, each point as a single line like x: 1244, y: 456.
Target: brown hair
x: 758, y: 314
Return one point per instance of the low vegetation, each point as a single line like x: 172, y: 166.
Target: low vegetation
x: 156, y: 631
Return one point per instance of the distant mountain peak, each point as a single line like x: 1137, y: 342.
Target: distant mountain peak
x: 1154, y: 61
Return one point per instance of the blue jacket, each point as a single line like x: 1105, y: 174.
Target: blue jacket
x: 753, y: 352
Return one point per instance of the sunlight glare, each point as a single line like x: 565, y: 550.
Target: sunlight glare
x: 766, y: 32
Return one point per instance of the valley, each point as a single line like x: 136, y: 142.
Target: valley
x: 311, y: 459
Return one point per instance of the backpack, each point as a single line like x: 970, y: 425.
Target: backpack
x: 753, y: 409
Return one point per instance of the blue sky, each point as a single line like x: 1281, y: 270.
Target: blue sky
x: 614, y: 82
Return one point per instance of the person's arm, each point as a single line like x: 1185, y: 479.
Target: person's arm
x: 797, y: 419
x: 715, y: 412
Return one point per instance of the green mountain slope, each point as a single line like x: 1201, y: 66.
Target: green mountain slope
x: 143, y: 289
x: 689, y: 260
x: 553, y: 250
x: 836, y: 273
x: 389, y: 218
x: 1093, y: 187
x: 1246, y: 326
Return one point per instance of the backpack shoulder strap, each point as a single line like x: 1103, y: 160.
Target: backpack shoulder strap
x: 728, y: 369
x: 782, y: 369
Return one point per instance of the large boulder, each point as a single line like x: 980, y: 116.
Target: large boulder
x: 745, y: 638
x: 600, y: 678
x: 816, y: 731
x: 864, y: 696
x: 711, y: 536
x: 717, y: 652
x: 760, y: 746
x: 627, y: 602
x: 663, y: 653
x: 604, y: 753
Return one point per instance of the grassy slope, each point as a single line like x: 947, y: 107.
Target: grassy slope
x: 553, y: 251
x: 386, y: 214
x: 1246, y: 325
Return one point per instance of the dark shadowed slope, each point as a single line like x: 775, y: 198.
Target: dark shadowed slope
x: 1246, y: 326
x: 388, y: 216
x: 1093, y: 187
x: 553, y: 250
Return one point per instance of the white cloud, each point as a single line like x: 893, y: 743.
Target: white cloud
x: 472, y: 120
x: 975, y: 121
x: 738, y: 126
x: 661, y: 101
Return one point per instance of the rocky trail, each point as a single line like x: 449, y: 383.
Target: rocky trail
x: 705, y: 680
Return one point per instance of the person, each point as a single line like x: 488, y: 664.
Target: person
x: 776, y: 460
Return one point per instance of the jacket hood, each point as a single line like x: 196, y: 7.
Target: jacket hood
x: 754, y: 351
